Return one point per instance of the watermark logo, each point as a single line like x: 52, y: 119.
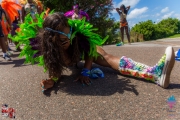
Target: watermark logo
x: 173, y: 108
x: 7, y: 112
x: 171, y: 101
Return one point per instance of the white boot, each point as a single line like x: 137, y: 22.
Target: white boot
x: 160, y: 73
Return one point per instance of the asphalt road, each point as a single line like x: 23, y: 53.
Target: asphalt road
x: 114, y: 97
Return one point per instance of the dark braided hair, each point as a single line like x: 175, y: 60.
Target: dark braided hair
x: 52, y: 49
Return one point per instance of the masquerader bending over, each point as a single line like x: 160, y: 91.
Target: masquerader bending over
x: 63, y: 42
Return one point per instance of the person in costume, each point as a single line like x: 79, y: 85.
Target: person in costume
x: 3, y: 32
x: 122, y: 11
x: 15, y: 27
x: 76, y: 13
x: 8, y: 11
x: 52, y: 47
x: 31, y: 6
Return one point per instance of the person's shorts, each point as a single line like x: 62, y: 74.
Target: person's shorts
x: 123, y: 24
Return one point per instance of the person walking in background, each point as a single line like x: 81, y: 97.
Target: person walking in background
x: 123, y: 22
x: 8, y: 11
x: 4, y: 30
x: 15, y: 27
x: 32, y: 7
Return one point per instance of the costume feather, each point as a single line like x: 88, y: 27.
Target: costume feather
x: 28, y: 37
x: 11, y: 8
x: 70, y: 13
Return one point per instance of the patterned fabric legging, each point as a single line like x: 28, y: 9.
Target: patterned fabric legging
x: 129, y: 67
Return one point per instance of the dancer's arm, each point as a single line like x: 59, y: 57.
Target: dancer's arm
x: 88, y: 62
x: 87, y: 65
x: 128, y: 7
x: 23, y: 14
x: 118, y: 10
x: 39, y: 9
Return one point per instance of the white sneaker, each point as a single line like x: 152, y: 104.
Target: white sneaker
x: 7, y: 58
x: 9, y: 53
x: 168, y: 66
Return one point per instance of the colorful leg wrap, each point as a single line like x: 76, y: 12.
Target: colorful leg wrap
x: 129, y: 67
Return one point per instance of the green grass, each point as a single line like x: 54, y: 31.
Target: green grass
x: 174, y: 36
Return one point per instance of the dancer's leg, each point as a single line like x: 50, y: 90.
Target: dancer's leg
x: 160, y: 73
x: 127, y: 33
x: 4, y: 49
x: 7, y: 46
x: 122, y: 34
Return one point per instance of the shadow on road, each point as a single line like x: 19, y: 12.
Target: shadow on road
x: 20, y: 62
x: 17, y: 63
x: 174, y: 86
x: 99, y: 87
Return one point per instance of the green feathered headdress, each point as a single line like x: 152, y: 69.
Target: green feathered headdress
x: 86, y: 29
x: 29, y: 29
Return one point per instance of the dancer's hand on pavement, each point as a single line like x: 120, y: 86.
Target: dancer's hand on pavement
x: 83, y: 80
x: 45, y: 84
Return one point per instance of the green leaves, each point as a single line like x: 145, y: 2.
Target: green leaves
x: 163, y: 29
x: 98, y: 11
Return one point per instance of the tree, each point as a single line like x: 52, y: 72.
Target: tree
x: 179, y: 26
x: 164, y: 28
x: 98, y: 11
x: 146, y: 28
x: 113, y: 33
x: 169, y: 26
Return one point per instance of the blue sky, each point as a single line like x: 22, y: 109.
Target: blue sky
x: 142, y: 10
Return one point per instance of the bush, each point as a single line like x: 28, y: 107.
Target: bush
x: 152, y: 31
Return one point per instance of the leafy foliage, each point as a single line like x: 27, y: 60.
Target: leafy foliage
x: 114, y: 33
x: 164, y: 28
x: 146, y: 28
x: 99, y: 11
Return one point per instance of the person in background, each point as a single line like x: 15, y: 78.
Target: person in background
x: 4, y: 30
x: 123, y: 22
x: 15, y: 26
x: 31, y: 7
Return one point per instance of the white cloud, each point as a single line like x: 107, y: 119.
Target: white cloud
x: 155, y: 9
x: 137, y: 12
x: 177, y: 16
x: 131, y: 24
x: 166, y: 9
x: 167, y: 15
x: 132, y: 3
x: 157, y: 14
x: 157, y: 21
x: 143, y: 16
